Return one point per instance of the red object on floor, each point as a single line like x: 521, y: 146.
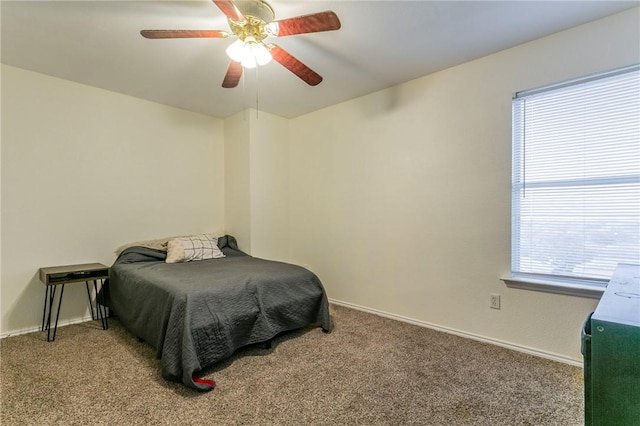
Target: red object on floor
x: 207, y: 382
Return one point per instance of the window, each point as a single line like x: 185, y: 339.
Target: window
x: 576, y: 178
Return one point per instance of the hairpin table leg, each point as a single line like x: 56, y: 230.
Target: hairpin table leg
x: 50, y: 296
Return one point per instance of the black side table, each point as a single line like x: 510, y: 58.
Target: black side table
x: 55, y: 276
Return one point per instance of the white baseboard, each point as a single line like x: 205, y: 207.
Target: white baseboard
x: 508, y: 345
x: 497, y: 342
x: 37, y: 328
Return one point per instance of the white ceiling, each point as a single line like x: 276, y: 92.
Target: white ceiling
x: 381, y: 44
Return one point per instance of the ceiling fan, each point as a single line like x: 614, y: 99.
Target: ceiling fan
x: 252, y: 21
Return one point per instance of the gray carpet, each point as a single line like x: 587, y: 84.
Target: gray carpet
x: 369, y: 371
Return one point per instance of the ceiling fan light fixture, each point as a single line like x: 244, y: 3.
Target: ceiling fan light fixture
x: 249, y: 62
x: 235, y: 51
x: 260, y: 52
x: 249, y: 52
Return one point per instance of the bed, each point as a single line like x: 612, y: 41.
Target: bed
x: 198, y: 313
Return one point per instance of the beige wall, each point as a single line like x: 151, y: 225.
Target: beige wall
x: 237, y: 202
x: 257, y: 183
x: 400, y: 200
x: 85, y: 170
x: 269, y: 186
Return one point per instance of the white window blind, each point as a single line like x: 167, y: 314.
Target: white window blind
x: 576, y: 178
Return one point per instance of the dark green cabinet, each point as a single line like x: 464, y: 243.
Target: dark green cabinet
x: 611, y: 348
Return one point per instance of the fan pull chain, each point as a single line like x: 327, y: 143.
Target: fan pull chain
x: 257, y: 91
x: 244, y: 92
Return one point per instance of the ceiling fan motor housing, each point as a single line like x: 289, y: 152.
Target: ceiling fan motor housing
x: 257, y: 14
x: 256, y: 8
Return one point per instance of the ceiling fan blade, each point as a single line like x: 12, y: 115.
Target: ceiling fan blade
x: 230, y: 10
x: 314, y: 23
x: 184, y: 34
x: 234, y: 72
x: 291, y: 63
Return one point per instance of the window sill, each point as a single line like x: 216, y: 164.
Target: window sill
x: 556, y: 287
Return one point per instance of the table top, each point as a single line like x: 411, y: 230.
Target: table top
x: 54, y: 275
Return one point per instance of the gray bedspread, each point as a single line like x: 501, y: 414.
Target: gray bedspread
x: 198, y: 313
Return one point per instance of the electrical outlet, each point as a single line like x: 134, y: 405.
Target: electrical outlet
x: 494, y: 301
